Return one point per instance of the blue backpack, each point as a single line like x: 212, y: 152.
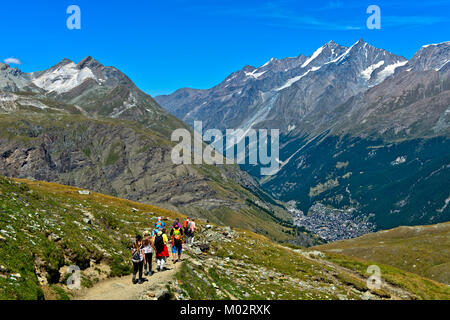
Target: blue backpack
x: 136, y: 255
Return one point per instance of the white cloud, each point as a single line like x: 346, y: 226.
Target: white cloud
x: 12, y: 60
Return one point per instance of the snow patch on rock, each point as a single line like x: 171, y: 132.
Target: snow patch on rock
x: 367, y: 73
x: 389, y: 70
x: 64, y: 78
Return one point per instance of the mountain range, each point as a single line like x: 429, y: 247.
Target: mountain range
x: 281, y: 93
x: 87, y: 125
x: 364, y: 147
x: 362, y: 129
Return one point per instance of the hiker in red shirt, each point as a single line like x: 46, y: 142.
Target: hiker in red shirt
x: 161, y: 252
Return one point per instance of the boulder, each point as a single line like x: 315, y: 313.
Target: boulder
x: 54, y: 237
x: 316, y: 254
x: 196, y: 262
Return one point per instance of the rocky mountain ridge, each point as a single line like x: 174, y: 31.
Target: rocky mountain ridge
x: 280, y: 93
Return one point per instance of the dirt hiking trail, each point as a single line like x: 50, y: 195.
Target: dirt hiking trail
x: 122, y: 288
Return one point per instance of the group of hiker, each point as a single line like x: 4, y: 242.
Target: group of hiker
x: 156, y: 242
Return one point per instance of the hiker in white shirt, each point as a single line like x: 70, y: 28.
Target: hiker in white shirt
x: 192, y: 228
x: 147, y: 246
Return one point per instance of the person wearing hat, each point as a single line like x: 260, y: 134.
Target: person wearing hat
x: 148, y: 247
x: 161, y: 253
x: 160, y: 224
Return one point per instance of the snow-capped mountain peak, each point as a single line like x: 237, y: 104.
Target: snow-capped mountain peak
x: 89, y: 62
x: 429, y: 57
x: 327, y: 53
x: 272, y: 60
x: 63, y: 77
x: 436, y: 44
x: 313, y: 56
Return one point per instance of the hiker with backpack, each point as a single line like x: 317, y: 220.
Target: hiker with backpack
x: 177, y: 241
x: 176, y: 223
x: 138, y: 259
x: 148, y: 248
x: 161, y: 253
x: 186, y: 229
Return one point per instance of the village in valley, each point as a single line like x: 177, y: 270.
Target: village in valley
x: 332, y: 224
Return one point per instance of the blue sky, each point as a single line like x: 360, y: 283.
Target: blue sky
x: 165, y: 45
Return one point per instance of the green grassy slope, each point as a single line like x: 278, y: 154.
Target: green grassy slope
x: 46, y: 227
x: 250, y: 266
x: 424, y: 250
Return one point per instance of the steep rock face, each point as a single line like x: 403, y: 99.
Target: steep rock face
x: 125, y: 159
x: 429, y: 57
x: 12, y: 79
x: 67, y: 75
x: 409, y: 105
x: 111, y: 159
